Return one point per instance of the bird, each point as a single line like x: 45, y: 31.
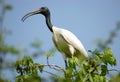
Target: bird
x: 65, y: 41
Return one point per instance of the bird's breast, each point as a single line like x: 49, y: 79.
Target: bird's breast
x: 61, y: 44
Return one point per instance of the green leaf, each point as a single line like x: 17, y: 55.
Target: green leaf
x: 41, y: 68
x: 91, y: 78
x: 49, y: 54
x: 69, y: 71
x: 104, y: 70
x: 108, y: 51
x: 109, y: 57
x: 72, y: 62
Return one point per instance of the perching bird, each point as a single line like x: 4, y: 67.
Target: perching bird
x: 65, y: 41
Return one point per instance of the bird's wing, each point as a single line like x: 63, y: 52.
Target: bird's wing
x: 71, y: 39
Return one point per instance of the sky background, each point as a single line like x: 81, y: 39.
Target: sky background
x: 87, y: 19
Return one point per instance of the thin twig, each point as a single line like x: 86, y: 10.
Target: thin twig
x: 55, y: 67
x: 48, y: 62
x: 113, y: 70
x: 52, y: 66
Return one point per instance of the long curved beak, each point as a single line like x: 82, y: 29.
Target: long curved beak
x: 30, y: 14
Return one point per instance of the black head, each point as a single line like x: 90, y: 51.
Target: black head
x: 43, y: 10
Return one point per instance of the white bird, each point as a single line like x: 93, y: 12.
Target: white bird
x: 65, y: 41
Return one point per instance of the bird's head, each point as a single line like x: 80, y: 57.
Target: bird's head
x: 43, y: 10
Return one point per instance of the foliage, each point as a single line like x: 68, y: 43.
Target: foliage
x: 27, y: 69
x: 89, y: 70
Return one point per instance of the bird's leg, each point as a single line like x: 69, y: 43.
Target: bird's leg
x: 66, y: 66
x: 65, y: 59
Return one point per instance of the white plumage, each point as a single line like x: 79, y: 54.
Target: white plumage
x: 67, y: 43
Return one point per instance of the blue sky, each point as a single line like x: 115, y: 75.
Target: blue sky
x: 87, y: 19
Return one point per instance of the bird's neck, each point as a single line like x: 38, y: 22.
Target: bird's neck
x: 48, y: 22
